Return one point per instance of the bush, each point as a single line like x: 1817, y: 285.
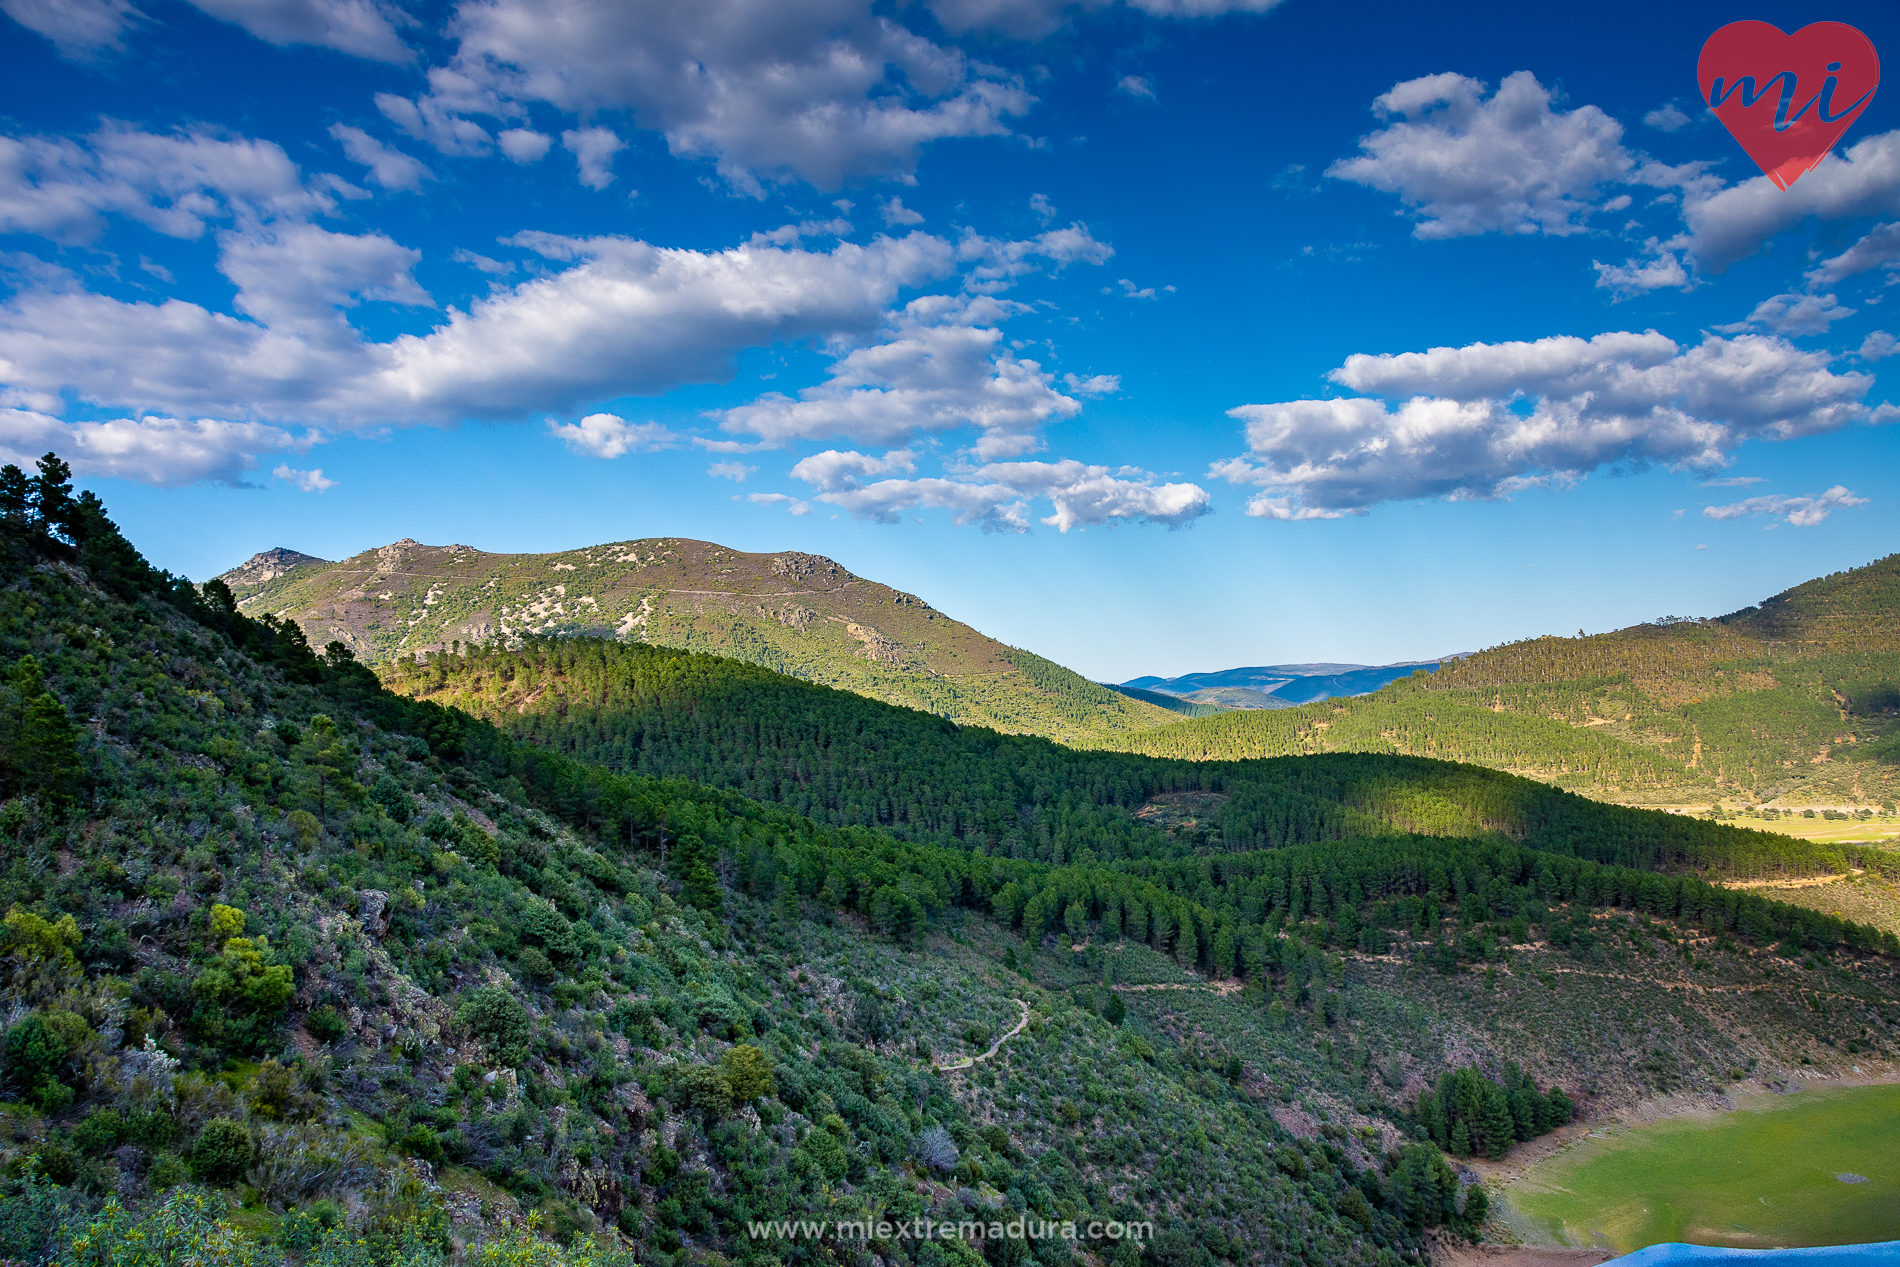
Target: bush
x: 325, y: 1024
x: 748, y: 1072
x: 223, y: 1151
x: 496, y: 1018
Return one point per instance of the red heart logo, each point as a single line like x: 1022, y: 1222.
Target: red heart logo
x: 1787, y: 98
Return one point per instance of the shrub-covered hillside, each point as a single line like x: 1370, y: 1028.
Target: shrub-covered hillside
x: 297, y: 968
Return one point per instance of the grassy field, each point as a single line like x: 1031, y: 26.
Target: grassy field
x: 1762, y: 1177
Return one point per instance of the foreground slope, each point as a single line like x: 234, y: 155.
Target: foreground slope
x: 362, y: 963
x: 1791, y: 702
x: 796, y: 613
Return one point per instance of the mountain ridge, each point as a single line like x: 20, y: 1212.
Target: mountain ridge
x: 791, y: 611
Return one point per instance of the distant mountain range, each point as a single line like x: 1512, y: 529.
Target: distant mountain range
x: 799, y: 614
x: 1277, y: 685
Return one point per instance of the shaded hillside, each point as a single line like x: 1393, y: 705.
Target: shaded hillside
x: 1793, y: 701
x: 850, y: 761
x: 800, y: 614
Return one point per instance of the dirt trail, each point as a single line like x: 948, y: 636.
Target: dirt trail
x: 995, y: 1047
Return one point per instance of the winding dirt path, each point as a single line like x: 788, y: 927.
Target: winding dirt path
x: 969, y: 1061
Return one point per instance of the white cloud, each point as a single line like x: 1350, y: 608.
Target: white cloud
x: 936, y: 370
x: 594, y: 150
x: 999, y: 262
x: 895, y: 212
x: 1880, y: 248
x: 1094, y: 384
x: 361, y: 28
x: 833, y: 471
x: 1878, y: 346
x: 792, y: 504
x: 1464, y: 164
x: 771, y: 90
x: 1735, y: 222
x: 307, y: 481
x: 997, y: 497
x: 1800, y: 512
x: 439, y: 116
x: 295, y: 277
x: 61, y: 189
x: 82, y: 30
x: 1044, y: 210
x: 624, y: 317
x: 609, y: 436
x: 392, y: 169
x: 735, y: 471
x: 1731, y: 481
x: 168, y: 452
x: 524, y: 145
x: 1486, y: 420
x: 1033, y: 19
x: 1636, y: 276
x: 1795, y: 314
x: 499, y: 268
x: 1666, y: 118
x: 1135, y: 86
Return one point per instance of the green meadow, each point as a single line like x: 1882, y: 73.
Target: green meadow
x: 1764, y: 1176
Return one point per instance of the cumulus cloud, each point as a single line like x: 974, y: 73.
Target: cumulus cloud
x: 174, y: 183
x: 524, y: 145
x: 1135, y: 86
x: 1795, y: 314
x: 1880, y: 248
x: 998, y: 263
x: 168, y: 452
x: 1666, y: 118
x: 609, y: 436
x: 1878, y: 346
x: 998, y: 496
x: 895, y: 212
x: 1487, y: 420
x: 1466, y: 164
x: 1094, y: 384
x: 1798, y: 512
x: 1033, y: 19
x: 82, y: 30
x: 834, y: 471
x: 594, y: 150
x: 792, y: 504
x: 824, y: 91
x: 307, y: 481
x: 1733, y: 223
x: 1636, y: 275
x: 296, y: 277
x: 734, y: 471
x: 623, y: 317
x: 361, y: 28
x: 392, y: 169
x: 937, y: 369
x: 1044, y: 210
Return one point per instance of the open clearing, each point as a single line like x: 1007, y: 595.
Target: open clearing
x: 1767, y: 1175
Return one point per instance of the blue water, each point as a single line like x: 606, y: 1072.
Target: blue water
x: 1819, y: 1256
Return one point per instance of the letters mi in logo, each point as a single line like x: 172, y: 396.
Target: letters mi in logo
x: 1787, y: 98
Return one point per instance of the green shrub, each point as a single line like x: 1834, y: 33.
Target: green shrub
x: 496, y: 1018
x: 224, y: 1151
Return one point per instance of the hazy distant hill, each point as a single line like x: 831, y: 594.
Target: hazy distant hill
x: 799, y: 614
x: 1797, y: 698
x: 1282, y: 685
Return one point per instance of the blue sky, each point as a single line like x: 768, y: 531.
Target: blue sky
x: 1154, y: 337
